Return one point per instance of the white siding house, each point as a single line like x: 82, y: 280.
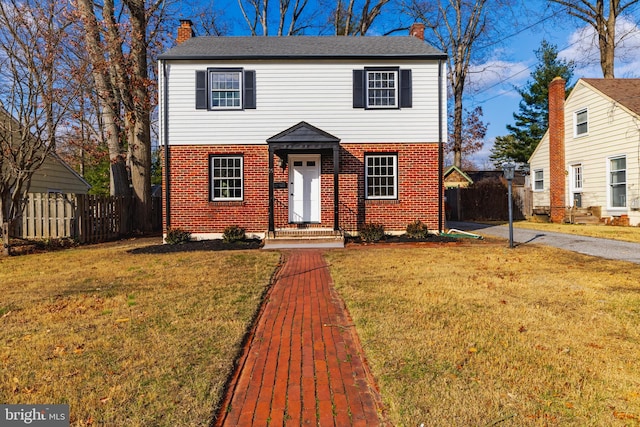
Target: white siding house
x: 601, y: 150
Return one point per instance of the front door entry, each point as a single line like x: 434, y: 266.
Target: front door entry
x: 304, y: 188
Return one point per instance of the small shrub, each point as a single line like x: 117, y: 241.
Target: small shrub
x: 177, y: 236
x: 417, y: 230
x: 233, y: 233
x: 372, y: 232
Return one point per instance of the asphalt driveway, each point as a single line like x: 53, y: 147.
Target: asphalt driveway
x: 604, y: 248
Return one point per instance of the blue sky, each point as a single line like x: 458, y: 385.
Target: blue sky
x: 509, y: 63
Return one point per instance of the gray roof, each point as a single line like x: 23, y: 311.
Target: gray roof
x: 303, y: 47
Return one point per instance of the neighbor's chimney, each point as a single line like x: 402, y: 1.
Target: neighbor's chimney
x: 557, y: 172
x: 417, y: 30
x: 185, y: 30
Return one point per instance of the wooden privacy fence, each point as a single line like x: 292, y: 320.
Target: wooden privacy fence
x: 85, y: 218
x: 485, y: 201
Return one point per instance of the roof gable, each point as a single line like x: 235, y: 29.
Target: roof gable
x: 302, y: 47
x: 625, y: 92
x: 303, y: 132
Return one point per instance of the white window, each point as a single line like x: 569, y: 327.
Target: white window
x: 226, y: 178
x: 538, y: 180
x: 581, y: 121
x: 382, y: 89
x: 618, y: 182
x: 226, y: 89
x: 381, y: 176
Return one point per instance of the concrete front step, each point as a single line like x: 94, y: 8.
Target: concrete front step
x: 304, y: 238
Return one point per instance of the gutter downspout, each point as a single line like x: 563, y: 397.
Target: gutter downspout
x: 440, y: 149
x: 165, y: 130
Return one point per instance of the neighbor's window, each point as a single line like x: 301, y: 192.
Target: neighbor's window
x: 582, y: 124
x: 538, y: 180
x: 381, y: 176
x: 226, y: 178
x: 618, y: 182
x: 226, y: 89
x: 382, y: 89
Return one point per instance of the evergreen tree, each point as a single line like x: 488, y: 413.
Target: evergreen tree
x: 532, y: 121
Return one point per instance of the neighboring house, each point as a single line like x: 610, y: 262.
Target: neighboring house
x: 271, y: 133
x: 589, y: 157
x: 54, y: 175
x: 454, y: 177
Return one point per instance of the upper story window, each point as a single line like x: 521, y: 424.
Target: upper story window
x: 226, y: 178
x: 225, y: 89
x: 381, y: 176
x: 382, y: 88
x: 618, y: 182
x: 581, y: 120
x: 538, y: 180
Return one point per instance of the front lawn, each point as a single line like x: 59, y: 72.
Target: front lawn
x: 481, y: 335
x: 126, y: 339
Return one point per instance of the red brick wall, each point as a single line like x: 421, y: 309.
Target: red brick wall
x: 192, y: 210
x: 557, y: 174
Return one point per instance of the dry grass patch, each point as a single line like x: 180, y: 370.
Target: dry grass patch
x: 124, y: 339
x: 482, y: 335
x: 626, y: 234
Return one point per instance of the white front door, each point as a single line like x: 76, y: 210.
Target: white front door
x: 304, y: 188
x: 575, y: 186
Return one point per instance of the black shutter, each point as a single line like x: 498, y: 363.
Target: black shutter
x: 249, y: 95
x: 201, y: 90
x: 358, y: 89
x: 406, y: 99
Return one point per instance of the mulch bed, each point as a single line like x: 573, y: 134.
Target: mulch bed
x: 200, y: 245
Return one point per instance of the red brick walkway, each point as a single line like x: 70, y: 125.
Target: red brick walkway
x: 304, y: 364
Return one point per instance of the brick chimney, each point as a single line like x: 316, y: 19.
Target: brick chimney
x: 185, y: 30
x: 417, y: 30
x: 557, y: 172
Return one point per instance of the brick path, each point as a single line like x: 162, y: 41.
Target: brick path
x: 304, y: 364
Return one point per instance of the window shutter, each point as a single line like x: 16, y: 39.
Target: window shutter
x: 406, y: 98
x: 358, y: 89
x: 249, y: 95
x: 201, y: 90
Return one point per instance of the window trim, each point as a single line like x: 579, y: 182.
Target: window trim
x: 577, y: 124
x: 610, y: 185
x: 203, y: 92
x: 396, y: 175
x: 211, y: 177
x: 536, y: 181
x: 396, y: 89
x: 404, y: 88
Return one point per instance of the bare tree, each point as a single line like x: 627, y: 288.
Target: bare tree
x: 593, y: 13
x: 456, y: 25
x: 118, y: 42
x: 256, y: 14
x: 355, y: 19
x: 34, y: 99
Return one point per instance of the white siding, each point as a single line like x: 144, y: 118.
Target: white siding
x: 540, y: 161
x: 613, y: 131
x: 319, y: 93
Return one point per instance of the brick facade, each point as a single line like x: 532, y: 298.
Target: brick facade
x: 192, y: 210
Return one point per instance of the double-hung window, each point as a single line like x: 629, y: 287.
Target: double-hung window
x: 225, y: 89
x: 538, y: 180
x: 226, y: 178
x: 381, y: 176
x: 581, y: 119
x: 382, y: 88
x: 618, y: 182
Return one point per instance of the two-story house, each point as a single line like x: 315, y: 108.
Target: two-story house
x: 271, y: 133
x: 590, y: 156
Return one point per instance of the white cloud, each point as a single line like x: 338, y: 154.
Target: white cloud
x: 583, y: 50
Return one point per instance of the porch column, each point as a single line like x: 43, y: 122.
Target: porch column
x: 336, y: 185
x: 272, y: 227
